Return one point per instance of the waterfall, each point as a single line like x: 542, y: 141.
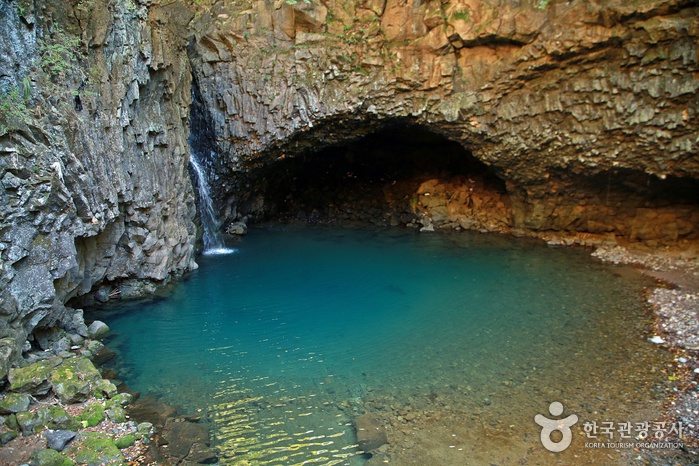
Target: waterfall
x: 213, y: 242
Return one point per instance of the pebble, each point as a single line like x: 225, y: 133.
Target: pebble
x: 657, y: 340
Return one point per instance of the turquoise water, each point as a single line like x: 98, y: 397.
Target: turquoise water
x: 283, y: 342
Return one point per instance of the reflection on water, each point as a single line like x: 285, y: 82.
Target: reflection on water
x: 285, y: 342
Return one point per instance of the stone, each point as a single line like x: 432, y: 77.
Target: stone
x: 116, y: 414
x: 371, y: 433
x: 125, y: 441
x: 92, y: 416
x: 29, y: 423
x: 200, y: 453
x: 97, y: 330
x: 46, y: 338
x: 95, y: 448
x: 7, y: 436
x: 49, y: 457
x: 180, y: 435
x: 7, y: 351
x: 58, y: 439
x: 14, y: 403
x: 34, y: 378
x: 103, y: 387
x: 72, y: 381
x: 237, y: 228
x: 103, y: 355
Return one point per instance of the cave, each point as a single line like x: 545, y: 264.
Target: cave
x: 399, y: 175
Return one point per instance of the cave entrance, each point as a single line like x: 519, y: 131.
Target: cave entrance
x: 400, y: 175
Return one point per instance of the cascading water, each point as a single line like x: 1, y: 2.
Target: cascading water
x: 213, y: 242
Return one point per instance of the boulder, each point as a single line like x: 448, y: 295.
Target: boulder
x: 58, y: 439
x: 14, y: 403
x: 34, y: 378
x: 371, y: 433
x: 97, y: 330
x: 237, y: 228
x: 72, y: 381
x: 49, y: 457
x: 95, y: 448
x: 201, y: 454
x: 181, y: 435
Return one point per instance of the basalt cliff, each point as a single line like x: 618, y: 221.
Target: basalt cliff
x: 536, y: 117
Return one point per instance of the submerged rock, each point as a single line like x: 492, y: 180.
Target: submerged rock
x: 371, y: 433
x: 181, y: 436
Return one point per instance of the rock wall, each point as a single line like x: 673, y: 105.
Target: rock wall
x: 96, y: 196
x: 587, y: 110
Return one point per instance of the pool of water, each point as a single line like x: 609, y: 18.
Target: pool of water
x: 455, y: 341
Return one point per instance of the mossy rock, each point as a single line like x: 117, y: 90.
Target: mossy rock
x: 92, y: 415
x: 11, y: 422
x: 94, y: 449
x: 125, y: 442
x: 7, y: 436
x: 116, y: 414
x: 72, y: 380
x: 104, y: 387
x: 58, y: 418
x: 31, y: 423
x: 33, y: 378
x: 48, y: 457
x: 121, y: 399
x: 14, y: 403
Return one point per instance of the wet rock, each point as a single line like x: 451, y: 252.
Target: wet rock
x: 152, y: 410
x: 97, y: 330
x: 103, y: 355
x: 237, y: 228
x: 201, y: 454
x: 181, y: 435
x: 14, y: 403
x: 371, y: 433
x: 58, y: 439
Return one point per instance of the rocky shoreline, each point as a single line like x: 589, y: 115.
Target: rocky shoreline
x: 676, y: 305
x: 59, y: 409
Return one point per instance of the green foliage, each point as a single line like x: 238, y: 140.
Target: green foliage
x: 13, y: 111
x: 58, y: 54
x: 543, y: 4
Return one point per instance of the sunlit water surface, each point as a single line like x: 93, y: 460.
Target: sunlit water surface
x: 282, y: 343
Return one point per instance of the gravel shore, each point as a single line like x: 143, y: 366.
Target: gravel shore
x: 675, y: 301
